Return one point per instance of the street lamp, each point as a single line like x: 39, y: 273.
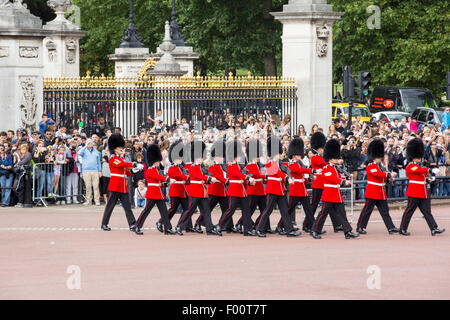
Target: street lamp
x: 131, y: 39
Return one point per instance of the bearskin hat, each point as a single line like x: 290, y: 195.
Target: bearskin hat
x: 375, y: 150
x: 198, y: 148
x: 332, y: 150
x: 176, y: 151
x: 415, y: 149
x: 153, y: 154
x: 296, y: 148
x: 318, y: 140
x: 254, y: 149
x: 115, y: 141
x: 218, y: 149
x: 274, y: 146
x: 234, y: 150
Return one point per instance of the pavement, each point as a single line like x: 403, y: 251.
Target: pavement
x: 60, y: 253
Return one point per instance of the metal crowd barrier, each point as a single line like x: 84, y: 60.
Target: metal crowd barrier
x: 69, y: 189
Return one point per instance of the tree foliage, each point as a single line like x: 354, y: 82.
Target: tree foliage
x: 410, y: 49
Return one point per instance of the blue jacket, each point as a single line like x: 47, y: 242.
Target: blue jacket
x: 44, y: 126
x: 90, y: 160
x: 6, y: 160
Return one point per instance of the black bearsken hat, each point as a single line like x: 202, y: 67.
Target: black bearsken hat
x: 197, y: 150
x: 274, y: 146
x: 332, y: 150
x: 318, y: 140
x: 115, y: 141
x: 218, y: 149
x: 153, y: 154
x: 296, y: 148
x: 234, y: 150
x: 375, y: 150
x: 415, y: 149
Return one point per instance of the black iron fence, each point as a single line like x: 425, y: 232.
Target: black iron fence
x: 127, y: 103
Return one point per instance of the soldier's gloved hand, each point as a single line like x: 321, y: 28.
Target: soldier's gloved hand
x: 291, y: 181
x: 214, y: 180
x: 172, y: 180
x: 139, y: 166
x: 435, y: 172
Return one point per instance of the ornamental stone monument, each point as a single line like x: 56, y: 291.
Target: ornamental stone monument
x: 308, y: 56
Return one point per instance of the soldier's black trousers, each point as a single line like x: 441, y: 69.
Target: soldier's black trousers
x: 203, y: 205
x: 213, y: 201
x: 315, y: 200
x: 273, y: 199
x: 424, y: 206
x: 334, y: 209
x: 253, y: 202
x: 233, y: 202
x: 367, y: 211
x: 309, y: 217
x: 175, y: 202
x: 161, y: 204
x: 125, y: 201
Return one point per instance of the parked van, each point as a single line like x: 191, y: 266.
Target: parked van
x: 404, y: 99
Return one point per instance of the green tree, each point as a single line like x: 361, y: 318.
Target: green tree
x: 410, y: 49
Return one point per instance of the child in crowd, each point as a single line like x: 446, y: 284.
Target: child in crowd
x: 60, y: 159
x: 139, y: 194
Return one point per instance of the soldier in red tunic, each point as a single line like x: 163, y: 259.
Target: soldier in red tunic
x: 236, y: 189
x: 318, y: 141
x: 118, y: 184
x: 197, y: 191
x: 178, y: 181
x: 417, y: 189
x: 216, y: 191
x: 331, y: 196
x: 154, y: 194
x: 297, y: 191
x: 275, y: 190
x: 375, y: 194
x: 256, y: 193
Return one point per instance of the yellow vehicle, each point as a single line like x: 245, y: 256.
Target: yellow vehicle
x: 339, y: 109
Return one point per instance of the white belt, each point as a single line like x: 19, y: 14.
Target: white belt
x: 273, y: 178
x: 197, y: 182
x: 417, y: 182
x: 376, y: 183
x: 179, y: 182
x: 258, y: 180
x: 331, y: 186
x: 118, y: 175
x: 154, y: 184
x: 236, y: 181
x: 299, y: 180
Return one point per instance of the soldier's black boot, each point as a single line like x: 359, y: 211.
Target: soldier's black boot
x: 315, y: 235
x: 159, y: 226
x: 361, y: 231
x: 338, y: 229
x: 394, y: 230
x: 105, y: 227
x: 404, y: 233
x: 138, y: 231
x: 178, y: 231
x: 436, y: 231
x: 350, y: 234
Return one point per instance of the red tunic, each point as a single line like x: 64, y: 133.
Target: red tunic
x: 317, y: 162
x: 218, y: 188
x: 376, y: 179
x: 237, y: 181
x: 417, y: 187
x: 298, y: 189
x: 331, y: 185
x: 258, y: 188
x: 198, y: 179
x: 275, y: 179
x: 119, y: 173
x: 177, y: 189
x: 155, y: 183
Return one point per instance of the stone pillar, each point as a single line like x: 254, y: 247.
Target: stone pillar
x: 308, y: 57
x: 21, y: 67
x: 62, y: 48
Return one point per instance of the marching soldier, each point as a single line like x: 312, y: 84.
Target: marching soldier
x: 236, y: 189
x: 216, y: 191
x: 118, y: 184
x: 297, y: 191
x: 197, y: 191
x: 417, y: 189
x: 375, y: 193
x: 178, y: 180
x: 318, y: 141
x: 154, y: 194
x: 331, y: 196
x: 275, y: 190
x: 256, y: 193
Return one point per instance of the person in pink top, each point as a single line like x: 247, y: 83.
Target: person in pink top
x: 413, y: 125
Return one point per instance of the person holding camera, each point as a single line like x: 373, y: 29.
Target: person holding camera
x: 22, y: 160
x: 6, y: 176
x: 72, y: 175
x: 91, y: 170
